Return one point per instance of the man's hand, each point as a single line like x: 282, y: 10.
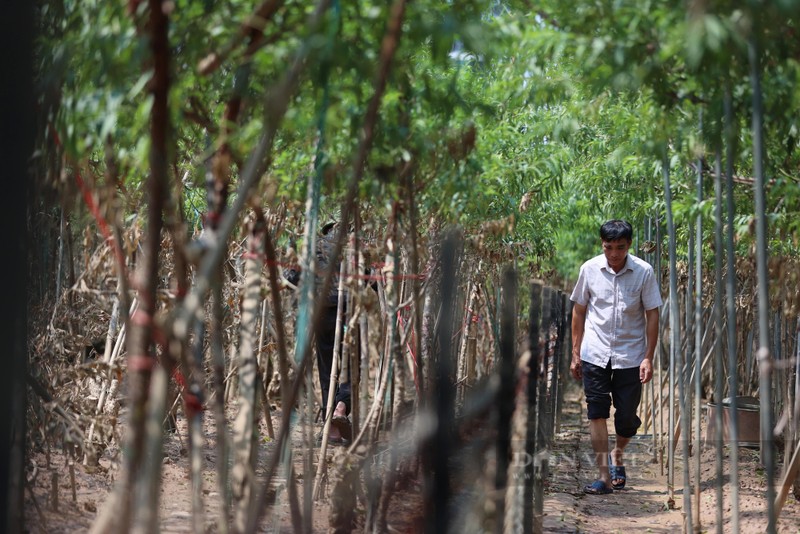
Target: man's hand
x: 646, y: 370
x: 575, y: 368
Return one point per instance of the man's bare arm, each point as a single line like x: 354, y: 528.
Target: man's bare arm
x: 578, y: 322
x: 651, y: 330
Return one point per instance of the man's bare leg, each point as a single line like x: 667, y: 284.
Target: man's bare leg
x: 599, y: 435
x: 333, y: 432
x: 616, y: 454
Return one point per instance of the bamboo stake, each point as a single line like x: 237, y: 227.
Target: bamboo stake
x: 54, y: 490
x: 371, y: 419
x: 264, y: 380
x: 660, y: 358
x: 307, y: 413
x: 718, y: 366
x: 698, y: 343
x: 652, y: 384
x: 505, y: 397
x: 62, y: 238
x: 363, y: 380
x: 733, y: 386
x: 334, y: 379
x: 675, y: 341
x: 461, y: 360
x: 72, y: 481
x: 39, y: 512
x: 563, y: 356
x: 796, y: 414
x: 685, y: 420
x: 542, y: 441
x: 429, y: 309
x: 530, y: 522
x: 277, y: 312
x: 416, y: 286
x: 386, y: 359
x: 394, y: 295
x: 437, y: 492
x: 196, y: 442
x: 764, y: 358
x: 791, y: 474
x: 555, y: 390
x: 112, y: 350
x: 688, y: 347
x: 356, y: 332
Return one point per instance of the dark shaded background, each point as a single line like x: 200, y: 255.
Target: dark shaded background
x: 16, y: 143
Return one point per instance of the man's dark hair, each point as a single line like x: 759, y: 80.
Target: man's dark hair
x: 616, y: 229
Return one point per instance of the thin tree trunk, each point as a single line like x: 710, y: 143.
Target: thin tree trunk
x: 113, y: 326
x: 141, y: 359
x: 217, y: 364
x: 393, y: 296
x: 332, y: 385
x: 245, y: 433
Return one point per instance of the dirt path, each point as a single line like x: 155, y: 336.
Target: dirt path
x: 643, y: 505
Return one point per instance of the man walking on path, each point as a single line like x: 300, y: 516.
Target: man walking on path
x: 340, y: 432
x: 614, y: 332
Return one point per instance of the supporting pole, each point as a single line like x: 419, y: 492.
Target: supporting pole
x: 718, y: 366
x: 652, y: 384
x: 698, y: 340
x: 438, y: 490
x: 659, y: 358
x: 530, y: 432
x: 542, y: 441
x: 687, y: 413
x: 540, y: 459
x: 563, y: 355
x: 674, y: 329
x: 505, y: 396
x: 733, y: 386
x: 764, y: 358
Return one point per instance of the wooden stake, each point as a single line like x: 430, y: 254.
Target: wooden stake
x: 788, y: 479
x: 54, y: 490
x: 72, y: 481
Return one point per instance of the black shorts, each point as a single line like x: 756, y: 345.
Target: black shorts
x: 623, y: 386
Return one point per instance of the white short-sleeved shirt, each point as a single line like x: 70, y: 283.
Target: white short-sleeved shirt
x: 615, y: 305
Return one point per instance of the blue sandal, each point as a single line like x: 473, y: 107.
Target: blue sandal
x: 597, y: 487
x: 617, y: 473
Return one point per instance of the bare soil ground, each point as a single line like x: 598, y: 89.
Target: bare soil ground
x: 53, y: 511
x: 642, y: 507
